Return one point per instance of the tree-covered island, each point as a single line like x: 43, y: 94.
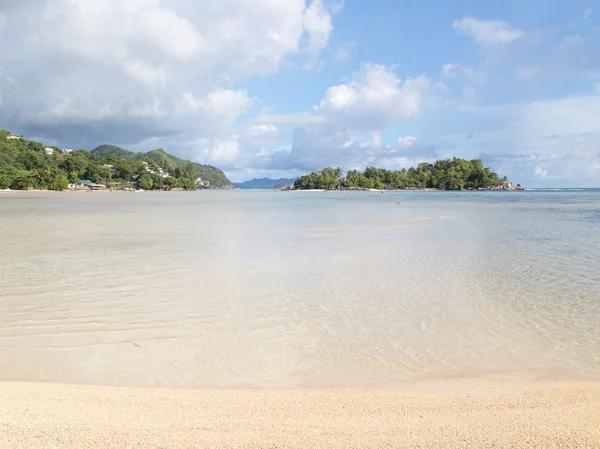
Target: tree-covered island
x: 26, y: 164
x: 446, y: 174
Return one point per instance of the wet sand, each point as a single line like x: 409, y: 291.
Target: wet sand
x: 441, y: 414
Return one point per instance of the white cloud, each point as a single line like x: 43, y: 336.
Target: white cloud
x: 221, y: 105
x: 262, y: 131
x: 540, y: 140
x: 344, y: 128
x: 317, y: 23
x: 450, y: 69
x: 453, y: 70
x: 540, y: 173
x: 127, y: 72
x: 225, y: 150
x: 373, y: 97
x: 487, y: 32
x: 407, y: 142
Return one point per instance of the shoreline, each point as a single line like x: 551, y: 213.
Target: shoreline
x: 479, y: 412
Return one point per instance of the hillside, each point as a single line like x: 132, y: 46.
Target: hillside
x: 26, y: 164
x: 263, y: 183
x: 213, y: 175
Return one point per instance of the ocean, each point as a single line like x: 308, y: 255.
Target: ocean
x: 228, y: 289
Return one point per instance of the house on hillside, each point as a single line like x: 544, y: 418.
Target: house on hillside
x: 159, y: 172
x: 67, y: 150
x: 49, y: 150
x: 110, y: 167
x: 11, y: 137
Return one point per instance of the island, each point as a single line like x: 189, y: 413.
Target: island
x: 265, y: 183
x: 445, y: 174
x: 27, y: 164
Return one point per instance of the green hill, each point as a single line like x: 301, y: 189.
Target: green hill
x: 105, y: 150
x: 26, y: 164
x: 213, y: 175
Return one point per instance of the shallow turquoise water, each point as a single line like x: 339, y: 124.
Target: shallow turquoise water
x: 286, y: 289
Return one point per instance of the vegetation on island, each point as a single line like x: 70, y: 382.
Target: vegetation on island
x: 29, y: 164
x: 447, y: 174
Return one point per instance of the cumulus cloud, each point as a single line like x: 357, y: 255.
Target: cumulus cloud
x: 373, y: 97
x: 317, y: 23
x: 125, y: 72
x: 343, y: 128
x: 487, y: 32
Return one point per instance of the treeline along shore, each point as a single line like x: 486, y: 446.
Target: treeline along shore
x: 446, y: 174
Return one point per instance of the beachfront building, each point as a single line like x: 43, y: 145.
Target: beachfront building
x: 85, y: 184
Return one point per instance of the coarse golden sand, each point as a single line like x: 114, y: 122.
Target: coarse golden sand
x: 476, y: 413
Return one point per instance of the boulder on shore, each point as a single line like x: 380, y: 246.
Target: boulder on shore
x: 506, y: 185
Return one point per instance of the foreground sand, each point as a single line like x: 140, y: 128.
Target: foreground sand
x: 449, y: 414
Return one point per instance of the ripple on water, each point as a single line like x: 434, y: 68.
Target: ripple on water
x: 272, y: 290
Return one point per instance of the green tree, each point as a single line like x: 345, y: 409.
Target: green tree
x: 73, y: 176
x: 448, y: 174
x: 145, y: 181
x: 23, y: 179
x: 60, y: 182
x: 171, y: 182
x: 157, y: 183
x: 353, y: 178
x: 6, y: 180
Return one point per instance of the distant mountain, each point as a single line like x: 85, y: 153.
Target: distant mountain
x: 213, y: 175
x: 263, y: 183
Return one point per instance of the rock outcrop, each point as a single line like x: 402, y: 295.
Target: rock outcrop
x: 504, y: 186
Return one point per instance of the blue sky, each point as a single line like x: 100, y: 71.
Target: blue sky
x: 280, y: 87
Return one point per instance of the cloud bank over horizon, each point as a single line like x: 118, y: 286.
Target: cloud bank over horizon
x: 281, y: 87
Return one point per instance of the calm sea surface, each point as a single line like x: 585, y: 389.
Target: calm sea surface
x: 288, y: 289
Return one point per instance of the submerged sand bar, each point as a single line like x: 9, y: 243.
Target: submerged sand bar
x: 441, y: 414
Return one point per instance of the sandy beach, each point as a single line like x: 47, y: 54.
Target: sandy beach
x: 441, y: 414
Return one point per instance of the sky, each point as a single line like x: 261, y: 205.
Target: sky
x: 278, y: 88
